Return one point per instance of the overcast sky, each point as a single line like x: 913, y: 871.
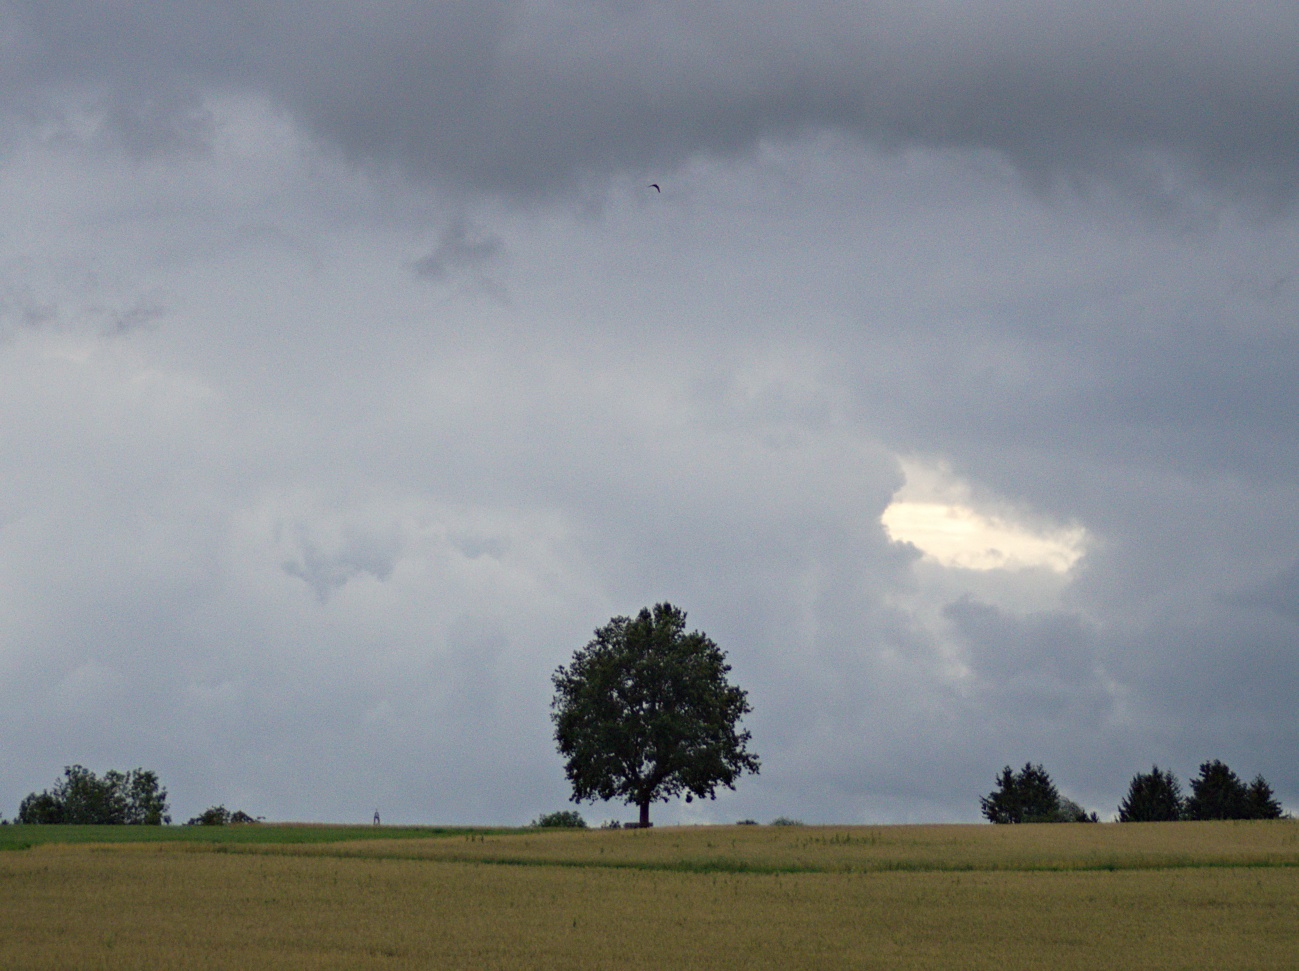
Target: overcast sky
x: 351, y: 374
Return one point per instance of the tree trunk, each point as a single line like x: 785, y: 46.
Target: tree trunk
x: 644, y: 814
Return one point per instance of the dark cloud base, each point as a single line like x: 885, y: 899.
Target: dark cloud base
x: 525, y: 98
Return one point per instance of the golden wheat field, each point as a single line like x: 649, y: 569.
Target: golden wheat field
x: 1182, y: 895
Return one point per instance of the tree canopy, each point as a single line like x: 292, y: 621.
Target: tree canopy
x: 81, y: 797
x: 645, y: 712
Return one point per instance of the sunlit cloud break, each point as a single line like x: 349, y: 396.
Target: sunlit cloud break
x: 952, y: 533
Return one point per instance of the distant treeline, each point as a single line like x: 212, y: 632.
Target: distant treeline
x: 1029, y: 796
x: 136, y: 798
x: 133, y: 798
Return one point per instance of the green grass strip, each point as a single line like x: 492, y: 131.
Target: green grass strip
x: 731, y: 866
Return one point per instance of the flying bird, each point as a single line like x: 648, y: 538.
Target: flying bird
x: 655, y: 187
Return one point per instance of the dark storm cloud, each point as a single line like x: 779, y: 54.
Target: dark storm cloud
x: 533, y: 97
x: 1169, y: 373
x: 1043, y: 654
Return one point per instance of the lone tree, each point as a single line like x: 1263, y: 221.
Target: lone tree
x: 1153, y: 797
x: 644, y: 712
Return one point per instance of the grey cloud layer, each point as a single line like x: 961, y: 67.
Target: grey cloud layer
x: 292, y: 492
x: 534, y: 97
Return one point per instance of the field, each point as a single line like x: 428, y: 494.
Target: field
x: 1182, y: 895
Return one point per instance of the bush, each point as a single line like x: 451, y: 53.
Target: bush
x: 746, y: 822
x: 212, y: 816
x: 564, y: 819
x: 786, y: 821
x: 220, y: 816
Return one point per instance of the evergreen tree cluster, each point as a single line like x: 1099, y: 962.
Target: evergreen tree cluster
x: 120, y: 798
x: 1029, y: 796
x: 1216, y: 793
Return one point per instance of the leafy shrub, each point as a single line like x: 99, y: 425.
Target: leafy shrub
x: 212, y: 816
x: 220, y: 816
x: 747, y: 822
x: 564, y: 819
x: 786, y: 821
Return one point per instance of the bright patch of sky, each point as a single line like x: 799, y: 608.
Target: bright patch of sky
x: 935, y: 513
